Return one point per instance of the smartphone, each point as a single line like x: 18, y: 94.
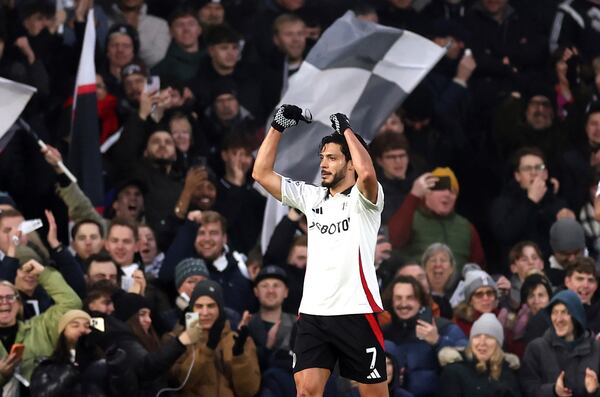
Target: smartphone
x: 426, y: 315
x: 190, y: 318
x: 98, y: 323
x: 17, y: 349
x: 443, y: 183
x: 29, y: 226
x: 152, y: 84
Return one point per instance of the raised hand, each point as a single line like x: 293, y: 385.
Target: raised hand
x: 287, y: 116
x: 340, y: 122
x: 52, y: 233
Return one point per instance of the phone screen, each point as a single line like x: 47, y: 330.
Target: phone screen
x: 443, y: 183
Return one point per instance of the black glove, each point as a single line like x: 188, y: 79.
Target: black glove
x: 116, y: 359
x: 240, y: 340
x: 339, y: 122
x: 214, y: 335
x: 287, y: 116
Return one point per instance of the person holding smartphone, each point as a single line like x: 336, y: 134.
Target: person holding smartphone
x: 417, y: 335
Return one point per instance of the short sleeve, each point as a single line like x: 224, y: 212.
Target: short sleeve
x: 298, y: 194
x: 366, y: 204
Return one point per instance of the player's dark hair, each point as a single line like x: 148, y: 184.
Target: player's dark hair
x: 340, y: 140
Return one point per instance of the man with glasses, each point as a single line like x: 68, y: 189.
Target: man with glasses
x: 528, y: 206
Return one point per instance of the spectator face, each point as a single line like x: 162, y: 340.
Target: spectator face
x: 592, y: 128
x: 539, y: 113
x: 583, y: 284
x: 129, y: 203
x: 160, y: 147
x: 25, y: 281
x: 392, y: 124
x: 35, y: 23
x: 103, y: 304
x: 439, y: 270
x: 527, y: 261
x: 101, y: 271
x: 530, y: 167
x: 188, y: 285
x: 271, y: 293
x: 383, y: 250
x: 370, y: 17
x: 208, y: 311
x: 9, y: 306
x: 134, y: 86
x: 226, y: 107
x: 205, y: 195
x: 440, y: 202
x: 148, y: 248
x: 212, y: 14
x: 237, y: 157
x: 291, y: 5
x: 75, y: 330
x: 394, y: 163
x: 562, y: 322
x: 145, y: 319
x: 121, y: 245
x: 494, y: 7
x: 185, y: 32
x: 415, y: 271
x: 181, y: 129
x: 454, y: 46
x: 130, y: 4
x: 538, y: 299
x: 483, y: 347
x: 210, y: 240
x: 566, y: 258
x: 333, y: 165
x: 224, y: 55
x: 297, y: 256
x: 119, y: 50
x: 483, y: 299
x: 405, y: 302
x: 291, y: 40
x: 9, y: 227
x: 88, y: 240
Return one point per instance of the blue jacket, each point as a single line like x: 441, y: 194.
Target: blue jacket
x: 417, y: 358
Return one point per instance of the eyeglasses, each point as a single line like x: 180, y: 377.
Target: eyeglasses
x: 489, y: 293
x: 8, y: 298
x: 531, y: 168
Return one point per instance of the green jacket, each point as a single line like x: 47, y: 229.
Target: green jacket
x: 178, y: 65
x: 40, y: 333
x: 79, y: 205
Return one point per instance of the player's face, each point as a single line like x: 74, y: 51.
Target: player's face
x: 271, y: 293
x: 405, y: 302
x: 334, y: 166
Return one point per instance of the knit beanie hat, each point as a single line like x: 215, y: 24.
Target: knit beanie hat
x: 208, y: 288
x: 190, y: 267
x: 475, y: 279
x: 567, y: 235
x: 488, y: 324
x: 128, y: 304
x: 531, y: 282
x: 70, y: 316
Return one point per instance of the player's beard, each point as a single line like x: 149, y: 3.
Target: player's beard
x: 337, y: 178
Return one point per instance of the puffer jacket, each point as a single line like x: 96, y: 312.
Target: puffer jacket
x: 218, y: 373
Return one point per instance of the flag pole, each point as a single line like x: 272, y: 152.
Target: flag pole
x: 43, y: 145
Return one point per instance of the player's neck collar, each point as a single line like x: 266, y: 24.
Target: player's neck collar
x: 345, y: 192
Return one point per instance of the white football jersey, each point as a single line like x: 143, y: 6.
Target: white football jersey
x: 342, y: 234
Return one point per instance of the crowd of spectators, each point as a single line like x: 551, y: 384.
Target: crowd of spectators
x: 487, y: 257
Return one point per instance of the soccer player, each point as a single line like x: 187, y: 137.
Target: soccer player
x: 336, y: 322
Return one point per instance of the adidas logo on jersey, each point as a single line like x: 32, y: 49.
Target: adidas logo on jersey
x: 318, y: 210
x: 374, y: 375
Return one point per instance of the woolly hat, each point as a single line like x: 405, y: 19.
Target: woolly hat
x: 531, y: 282
x: 271, y: 271
x: 446, y: 171
x: 190, y: 267
x: 567, y: 235
x: 475, y: 279
x: 208, y: 288
x: 488, y: 324
x: 70, y: 316
x: 133, y: 68
x: 127, y: 304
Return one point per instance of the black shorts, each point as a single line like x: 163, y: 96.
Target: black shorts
x: 355, y: 340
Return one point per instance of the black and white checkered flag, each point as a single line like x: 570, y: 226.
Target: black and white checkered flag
x: 358, y: 68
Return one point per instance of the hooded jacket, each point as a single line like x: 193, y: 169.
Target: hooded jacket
x: 547, y: 356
